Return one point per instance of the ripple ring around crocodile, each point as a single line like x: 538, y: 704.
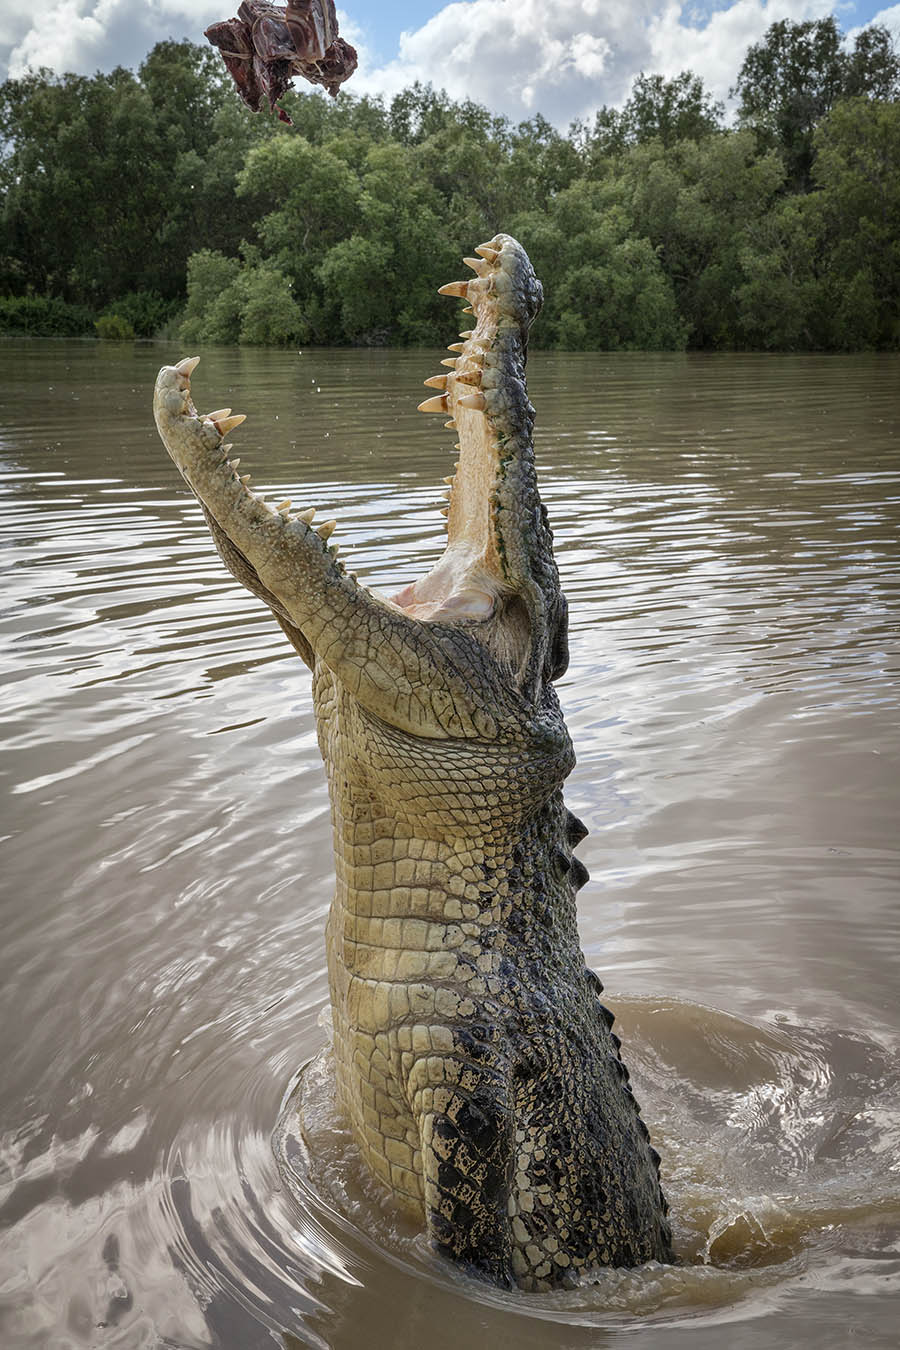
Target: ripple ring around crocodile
x: 474, y: 1060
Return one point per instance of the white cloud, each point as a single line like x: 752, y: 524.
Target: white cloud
x: 567, y: 59
x: 890, y: 18
x: 521, y: 56
x: 715, y: 48
x: 88, y: 35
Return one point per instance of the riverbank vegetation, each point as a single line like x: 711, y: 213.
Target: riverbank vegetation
x: 134, y: 203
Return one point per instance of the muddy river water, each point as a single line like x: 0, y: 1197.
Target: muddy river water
x: 727, y: 533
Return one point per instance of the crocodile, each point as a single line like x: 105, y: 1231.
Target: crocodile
x: 474, y: 1060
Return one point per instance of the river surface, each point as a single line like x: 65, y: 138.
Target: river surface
x: 727, y: 533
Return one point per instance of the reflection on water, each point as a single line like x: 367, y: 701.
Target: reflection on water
x: 727, y: 535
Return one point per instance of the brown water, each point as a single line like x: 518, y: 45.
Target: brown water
x: 727, y: 533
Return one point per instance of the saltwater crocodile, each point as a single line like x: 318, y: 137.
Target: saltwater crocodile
x: 474, y: 1059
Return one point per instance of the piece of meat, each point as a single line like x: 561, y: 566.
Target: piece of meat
x: 265, y: 46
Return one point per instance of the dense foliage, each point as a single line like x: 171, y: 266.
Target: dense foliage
x: 131, y: 202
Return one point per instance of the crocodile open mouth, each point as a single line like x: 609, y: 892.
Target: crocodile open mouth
x: 498, y: 541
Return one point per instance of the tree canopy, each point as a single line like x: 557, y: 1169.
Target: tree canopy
x: 153, y: 197
x: 792, y: 79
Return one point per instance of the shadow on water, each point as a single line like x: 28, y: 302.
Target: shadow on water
x: 727, y: 535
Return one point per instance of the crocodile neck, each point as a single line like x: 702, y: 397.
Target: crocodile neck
x: 429, y: 926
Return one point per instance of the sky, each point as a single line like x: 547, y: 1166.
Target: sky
x: 560, y: 58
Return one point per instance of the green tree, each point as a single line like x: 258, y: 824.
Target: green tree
x: 872, y: 68
x: 540, y: 164
x: 670, y: 110
x: 603, y: 143
x: 85, y: 185
x: 776, y: 279
x: 318, y: 119
x: 123, y: 193
x: 213, y: 311
x: 146, y: 312
x: 204, y: 209
x: 857, y: 211
x: 605, y: 288
x: 470, y: 175
x: 699, y: 204
x: 102, y: 177
x: 789, y: 82
x: 269, y: 315
x: 187, y: 85
x: 674, y: 110
x: 356, y: 277
x: 305, y: 198
x: 420, y: 111
x: 381, y: 282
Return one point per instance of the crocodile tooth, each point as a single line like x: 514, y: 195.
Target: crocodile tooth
x: 245, y: 478
x: 217, y: 415
x: 436, y: 382
x: 469, y: 377
x: 326, y: 530
x: 458, y: 288
x: 477, y: 265
x: 470, y: 332
x: 451, y: 478
x: 445, y: 510
x: 489, y: 254
x: 449, y: 361
x: 235, y: 462
x: 188, y: 365
x: 450, y: 424
x: 285, y: 505
x: 476, y: 401
x: 436, y: 404
x: 229, y: 423
x: 333, y: 550
x: 456, y: 347
x: 468, y: 310
x: 307, y: 515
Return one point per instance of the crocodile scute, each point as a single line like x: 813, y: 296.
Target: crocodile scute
x: 474, y: 1059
